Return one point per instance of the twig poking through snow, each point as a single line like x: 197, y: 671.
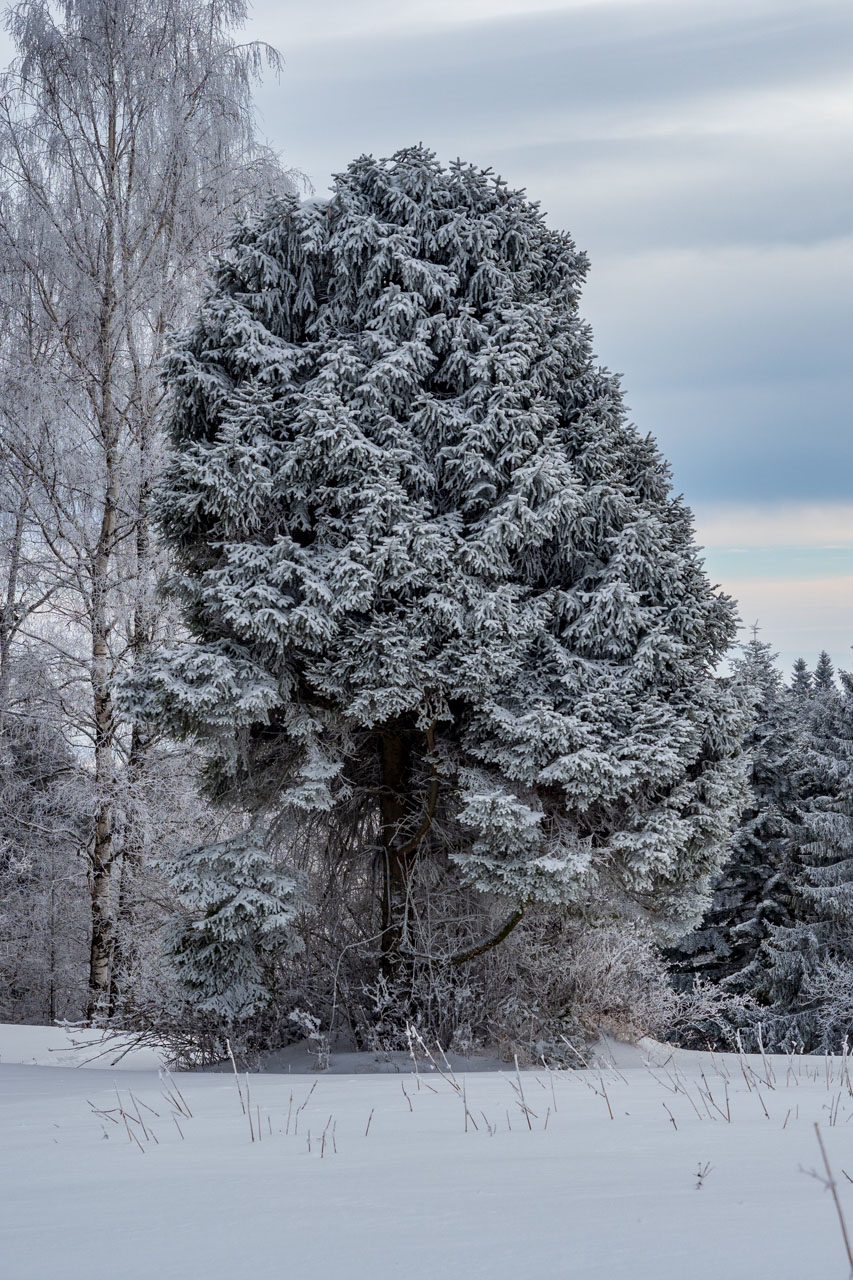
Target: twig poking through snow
x: 831, y: 1185
x: 236, y: 1076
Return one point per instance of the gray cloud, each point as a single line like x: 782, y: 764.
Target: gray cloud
x: 699, y: 152
x: 760, y: 442
x: 682, y: 191
x: 483, y: 80
x: 738, y: 361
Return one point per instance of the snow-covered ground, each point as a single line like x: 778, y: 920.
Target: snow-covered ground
x: 380, y: 1175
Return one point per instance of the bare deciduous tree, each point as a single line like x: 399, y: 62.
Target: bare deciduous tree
x: 127, y: 148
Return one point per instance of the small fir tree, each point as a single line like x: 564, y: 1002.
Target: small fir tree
x: 801, y: 680
x: 45, y: 797
x: 824, y: 673
x: 239, y: 920
x: 445, y: 608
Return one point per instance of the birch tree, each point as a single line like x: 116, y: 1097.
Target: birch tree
x: 127, y: 146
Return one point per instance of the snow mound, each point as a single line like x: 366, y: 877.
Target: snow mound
x: 72, y: 1047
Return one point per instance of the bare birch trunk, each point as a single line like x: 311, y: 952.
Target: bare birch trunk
x: 127, y: 146
x: 8, y: 621
x: 102, y: 706
x: 128, y: 857
x: 100, y: 956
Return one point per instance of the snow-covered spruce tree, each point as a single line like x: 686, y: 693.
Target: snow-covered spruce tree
x: 239, y: 919
x: 801, y: 679
x: 824, y: 673
x: 810, y: 961
x: 445, y: 609
x: 752, y: 894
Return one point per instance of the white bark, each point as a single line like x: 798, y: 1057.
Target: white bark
x: 127, y: 145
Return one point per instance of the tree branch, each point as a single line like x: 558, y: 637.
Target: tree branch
x: 503, y: 932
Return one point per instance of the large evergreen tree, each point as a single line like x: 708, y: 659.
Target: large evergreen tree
x: 445, y: 609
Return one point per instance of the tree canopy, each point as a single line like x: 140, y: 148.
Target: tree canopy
x: 443, y: 604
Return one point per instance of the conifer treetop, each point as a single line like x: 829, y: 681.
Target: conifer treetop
x: 824, y: 673
x: 801, y: 679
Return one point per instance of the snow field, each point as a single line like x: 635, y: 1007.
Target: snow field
x: 398, y: 1182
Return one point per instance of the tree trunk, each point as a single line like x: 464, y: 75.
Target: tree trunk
x: 104, y: 722
x: 395, y: 806
x: 407, y: 815
x: 100, y: 958
x: 51, y: 990
x: 140, y: 642
x: 8, y: 619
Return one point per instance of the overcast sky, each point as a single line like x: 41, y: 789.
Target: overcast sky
x: 701, y: 152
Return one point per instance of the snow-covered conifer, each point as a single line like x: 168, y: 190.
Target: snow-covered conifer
x: 801, y: 679
x: 443, y: 602
x: 807, y: 958
x: 752, y: 894
x: 239, y: 919
x: 824, y: 673
x: 45, y: 797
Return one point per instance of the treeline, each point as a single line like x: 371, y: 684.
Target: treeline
x: 773, y: 955
x: 779, y: 930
